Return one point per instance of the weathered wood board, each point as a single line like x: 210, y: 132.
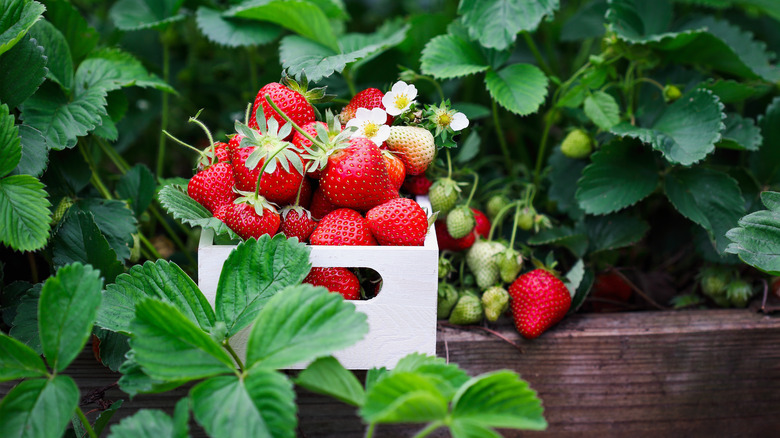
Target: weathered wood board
x: 656, y: 374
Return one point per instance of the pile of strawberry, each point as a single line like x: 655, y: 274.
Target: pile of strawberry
x: 331, y: 182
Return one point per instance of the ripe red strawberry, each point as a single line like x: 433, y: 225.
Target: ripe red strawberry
x: 213, y: 186
x: 400, y: 221
x: 395, y: 170
x: 414, y: 145
x: 356, y: 176
x: 483, y: 223
x: 320, y: 206
x: 277, y: 186
x: 246, y: 221
x: 447, y: 242
x: 539, y: 301
x: 342, y: 227
x: 221, y: 211
x: 369, y: 98
x: 293, y: 103
x: 336, y: 280
x: 297, y: 222
x: 417, y: 185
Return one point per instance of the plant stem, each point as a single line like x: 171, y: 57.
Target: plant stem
x: 265, y: 164
x: 164, y: 119
x: 499, y: 217
x: 370, y: 430
x: 473, y: 188
x: 252, y: 69
x: 111, y: 153
x: 449, y: 163
x: 435, y: 84
x: 501, y: 138
x: 232, y: 352
x: 152, y: 250
x: 537, y: 55
x: 514, y: 226
x: 95, y: 178
x: 347, y: 73
x: 85, y: 423
x: 428, y: 429
x: 542, y: 147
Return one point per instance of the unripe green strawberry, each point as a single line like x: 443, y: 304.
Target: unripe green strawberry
x: 577, y: 144
x: 445, y: 267
x: 495, y: 204
x: 714, y: 281
x: 495, y: 301
x: 447, y: 297
x: 526, y: 219
x: 460, y: 222
x: 62, y: 208
x: 468, y: 310
x: 480, y: 259
x: 443, y: 195
x: 671, y: 93
x: 739, y: 293
x: 509, y: 262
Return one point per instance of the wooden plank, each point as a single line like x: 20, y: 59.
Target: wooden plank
x: 693, y: 373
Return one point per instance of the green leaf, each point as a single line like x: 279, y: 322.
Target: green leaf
x: 234, y: 32
x: 35, y: 152
x: 328, y: 377
x: 137, y: 186
x: 61, y: 119
x: 741, y: 133
x: 145, y: 14
x: 301, y: 17
x: 574, y: 239
x: 498, y: 399
x: 582, y: 291
x: 24, y: 210
x: 58, y: 59
x: 621, y: 174
x: 146, y: 423
x: 587, y: 22
x: 404, y: 397
x: 765, y: 164
x: 614, y: 231
x: 161, y: 280
x: 79, y: 240
x: 253, y: 273
x: 495, y: 23
x: 317, y: 60
x: 22, y: 71
x: 177, y: 202
x: 602, y: 109
x: 300, y: 324
x: 638, y: 21
x: 18, y: 17
x: 134, y: 381
x: 449, y: 56
x: 520, y: 88
x: 112, y: 69
x: 470, y: 147
x: 468, y: 430
x: 113, y: 347
x: 756, y: 240
x: 770, y: 7
x: 105, y: 416
x: 447, y: 377
x: 707, y: 197
x: 170, y: 347
x: 66, y: 310
x: 115, y: 221
x: 686, y: 131
x: 731, y: 91
x: 81, y: 37
x: 39, y: 408
x: 10, y: 144
x: 260, y: 405
x: 19, y: 361
x: 563, y: 175
x: 25, y: 322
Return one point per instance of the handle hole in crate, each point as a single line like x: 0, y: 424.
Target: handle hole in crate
x: 353, y: 283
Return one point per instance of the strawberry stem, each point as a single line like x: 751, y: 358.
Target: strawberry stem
x: 202, y: 154
x: 287, y: 119
x: 500, y: 216
x: 473, y: 188
x: 514, y: 226
x: 449, y: 163
x: 202, y: 126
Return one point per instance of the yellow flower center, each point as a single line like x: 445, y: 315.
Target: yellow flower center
x: 370, y: 130
x: 401, y: 101
x: 445, y: 119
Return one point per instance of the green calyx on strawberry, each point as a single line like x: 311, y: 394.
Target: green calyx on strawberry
x: 251, y: 215
x: 739, y: 292
x: 495, y: 301
x: 445, y: 267
x: 444, y: 194
x: 714, y: 280
x: 509, y: 262
x: 577, y: 144
x: 468, y: 310
x: 460, y: 221
x: 481, y: 260
x: 539, y: 301
x: 296, y: 222
x: 446, y: 300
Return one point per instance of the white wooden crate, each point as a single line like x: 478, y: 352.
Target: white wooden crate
x: 401, y: 319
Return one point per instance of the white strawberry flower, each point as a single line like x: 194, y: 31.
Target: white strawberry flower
x: 370, y: 124
x: 398, y: 100
x: 444, y: 119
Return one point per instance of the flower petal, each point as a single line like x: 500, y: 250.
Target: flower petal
x: 388, y: 100
x: 394, y: 111
x: 399, y: 87
x: 363, y: 114
x: 378, y: 116
x: 411, y: 92
x: 354, y: 122
x: 459, y: 121
x: 381, y: 135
